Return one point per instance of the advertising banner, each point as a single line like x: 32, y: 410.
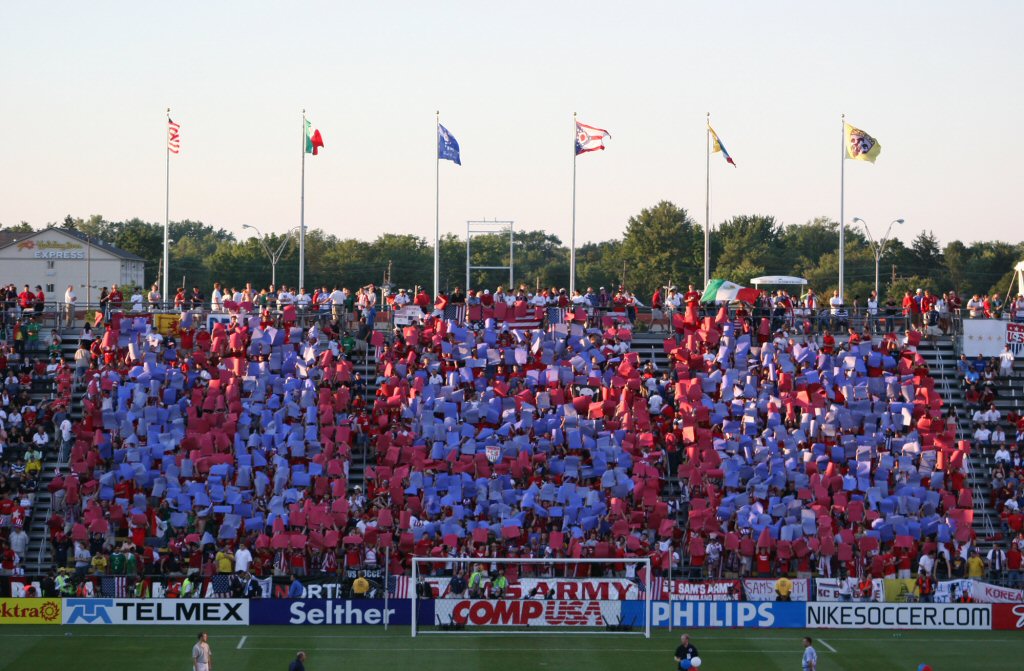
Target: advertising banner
x: 30, y: 611
x: 898, y: 616
x: 528, y: 612
x: 707, y: 614
x: 1008, y: 616
x: 156, y: 611
x: 755, y: 589
x: 325, y: 611
x: 707, y: 590
x: 599, y: 589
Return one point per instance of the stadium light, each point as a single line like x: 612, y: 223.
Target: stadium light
x: 273, y: 256
x: 877, y: 247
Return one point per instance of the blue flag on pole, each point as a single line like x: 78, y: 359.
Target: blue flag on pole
x: 447, y: 145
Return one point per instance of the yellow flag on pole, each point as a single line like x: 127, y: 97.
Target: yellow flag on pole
x: 859, y: 145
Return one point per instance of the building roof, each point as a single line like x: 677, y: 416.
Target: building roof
x: 8, y: 238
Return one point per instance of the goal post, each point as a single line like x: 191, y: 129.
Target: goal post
x: 536, y: 595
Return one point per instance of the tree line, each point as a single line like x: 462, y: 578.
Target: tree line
x: 662, y: 245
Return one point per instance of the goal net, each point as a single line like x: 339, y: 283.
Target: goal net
x: 514, y: 595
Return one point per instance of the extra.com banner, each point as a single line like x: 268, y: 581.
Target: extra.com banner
x: 29, y: 611
x: 206, y: 612
x: 335, y: 612
x: 714, y: 614
x: 898, y: 616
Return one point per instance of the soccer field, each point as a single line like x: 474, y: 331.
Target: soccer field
x: 270, y: 648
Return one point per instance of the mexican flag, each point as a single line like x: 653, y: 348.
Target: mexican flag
x: 313, y: 140
x: 724, y: 290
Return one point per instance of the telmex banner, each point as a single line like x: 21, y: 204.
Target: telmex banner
x: 156, y: 611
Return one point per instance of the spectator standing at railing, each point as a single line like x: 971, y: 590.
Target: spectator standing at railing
x: 116, y: 298
x: 154, y: 298
x: 975, y: 307
x: 216, y: 298
x: 69, y: 305
x: 137, y: 301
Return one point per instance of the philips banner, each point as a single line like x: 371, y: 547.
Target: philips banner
x: 711, y: 614
x: 205, y: 612
x: 898, y: 616
x: 340, y: 612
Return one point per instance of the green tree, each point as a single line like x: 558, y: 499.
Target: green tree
x: 662, y: 245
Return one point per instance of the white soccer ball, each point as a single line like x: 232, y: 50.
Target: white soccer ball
x: 695, y: 662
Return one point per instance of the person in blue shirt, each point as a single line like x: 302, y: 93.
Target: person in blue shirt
x: 810, y: 659
x: 298, y: 663
x: 296, y: 590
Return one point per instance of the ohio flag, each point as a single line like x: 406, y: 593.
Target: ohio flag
x: 589, y: 138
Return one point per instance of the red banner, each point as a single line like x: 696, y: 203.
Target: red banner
x: 1008, y: 616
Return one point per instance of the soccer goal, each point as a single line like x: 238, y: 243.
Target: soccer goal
x: 545, y: 596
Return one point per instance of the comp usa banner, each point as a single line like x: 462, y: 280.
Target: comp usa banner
x: 335, y: 612
x: 205, y: 612
x: 713, y: 614
x: 528, y: 612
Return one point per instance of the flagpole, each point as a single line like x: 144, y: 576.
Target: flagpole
x: 302, y: 210
x: 572, y: 241
x: 167, y: 212
x: 707, y: 201
x: 437, y: 204
x: 842, y: 203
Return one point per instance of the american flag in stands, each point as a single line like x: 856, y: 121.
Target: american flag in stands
x: 556, y: 316
x: 398, y: 586
x: 456, y: 312
x: 114, y: 586
x: 221, y: 583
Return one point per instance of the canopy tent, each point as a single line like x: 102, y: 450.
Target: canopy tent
x: 777, y: 279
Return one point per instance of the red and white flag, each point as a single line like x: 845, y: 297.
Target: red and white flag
x: 589, y: 138
x: 173, y: 138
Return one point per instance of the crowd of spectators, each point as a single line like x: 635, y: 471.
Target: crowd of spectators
x: 794, y: 455
x: 35, y: 391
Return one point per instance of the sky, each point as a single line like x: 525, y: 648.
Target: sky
x: 84, y: 89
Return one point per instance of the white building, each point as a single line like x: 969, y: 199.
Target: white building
x: 53, y: 258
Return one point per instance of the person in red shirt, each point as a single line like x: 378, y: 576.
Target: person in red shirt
x: 911, y: 309
x: 116, y: 298
x: 692, y: 296
x: 26, y: 298
x: 1014, y: 561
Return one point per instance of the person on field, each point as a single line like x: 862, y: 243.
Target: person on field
x: 810, y: 659
x: 685, y: 651
x: 298, y: 664
x: 201, y: 656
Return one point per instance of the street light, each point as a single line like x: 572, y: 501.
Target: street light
x: 877, y: 247
x: 273, y: 256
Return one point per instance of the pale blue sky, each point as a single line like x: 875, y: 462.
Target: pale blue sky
x: 83, y: 88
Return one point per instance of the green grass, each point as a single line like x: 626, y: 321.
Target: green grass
x: 271, y: 649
